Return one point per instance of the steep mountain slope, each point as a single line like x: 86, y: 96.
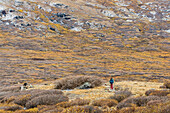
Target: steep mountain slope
x: 46, y: 39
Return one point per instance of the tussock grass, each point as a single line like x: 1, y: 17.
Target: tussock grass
x: 22, y: 97
x: 157, y: 108
x: 50, y: 109
x: 83, y: 109
x: 154, y: 102
x: 46, y: 100
x: 140, y: 101
x: 121, y: 95
x: 105, y: 102
x: 78, y: 101
x: 13, y: 108
x: 11, y: 89
x: 75, y: 81
x: 157, y: 92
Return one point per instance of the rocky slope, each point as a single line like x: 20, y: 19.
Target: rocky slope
x: 44, y: 40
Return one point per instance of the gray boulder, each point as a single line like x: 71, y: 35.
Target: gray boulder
x: 86, y: 85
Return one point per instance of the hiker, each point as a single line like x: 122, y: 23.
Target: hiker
x: 111, y: 82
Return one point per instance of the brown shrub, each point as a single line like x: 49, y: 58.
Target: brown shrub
x: 128, y: 109
x: 147, y: 93
x: 121, y: 95
x: 2, y: 94
x: 75, y: 81
x: 157, y: 92
x: 22, y: 97
x: 159, y: 108
x: 64, y: 104
x: 78, y: 101
x: 105, y: 102
x: 13, y: 108
x: 22, y: 100
x: 140, y: 101
x: 45, y: 92
x: 16, y: 94
x: 55, y: 110
x: 46, y: 100
x: 49, y: 109
x: 11, y: 89
x: 154, y: 102
x: 83, y: 109
x: 32, y: 110
x: 165, y: 109
x: 125, y: 105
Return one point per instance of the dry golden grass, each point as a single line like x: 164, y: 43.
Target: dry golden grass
x: 139, y: 88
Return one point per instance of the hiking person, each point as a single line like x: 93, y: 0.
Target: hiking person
x: 111, y: 82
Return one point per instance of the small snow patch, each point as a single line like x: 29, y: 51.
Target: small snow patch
x: 168, y: 31
x: 153, y: 12
x: 77, y: 29
x: 2, y: 7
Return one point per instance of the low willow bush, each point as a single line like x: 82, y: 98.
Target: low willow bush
x: 105, y: 102
x: 22, y: 97
x: 46, y: 100
x: 75, y: 81
x: 78, y: 101
x: 121, y: 95
x: 11, y: 89
x: 13, y: 108
x: 140, y: 101
x: 83, y: 109
x: 157, y: 92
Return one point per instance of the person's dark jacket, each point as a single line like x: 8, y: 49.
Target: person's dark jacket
x: 111, y: 81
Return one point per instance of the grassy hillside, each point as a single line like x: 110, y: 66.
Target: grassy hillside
x: 46, y: 40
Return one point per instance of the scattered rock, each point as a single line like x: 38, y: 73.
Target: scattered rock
x: 18, y: 17
x: 53, y: 29
x: 86, y: 85
x: 61, y: 15
x: 4, y: 12
x: 109, y: 13
x: 77, y: 29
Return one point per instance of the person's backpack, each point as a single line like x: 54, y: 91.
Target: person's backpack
x: 111, y: 81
